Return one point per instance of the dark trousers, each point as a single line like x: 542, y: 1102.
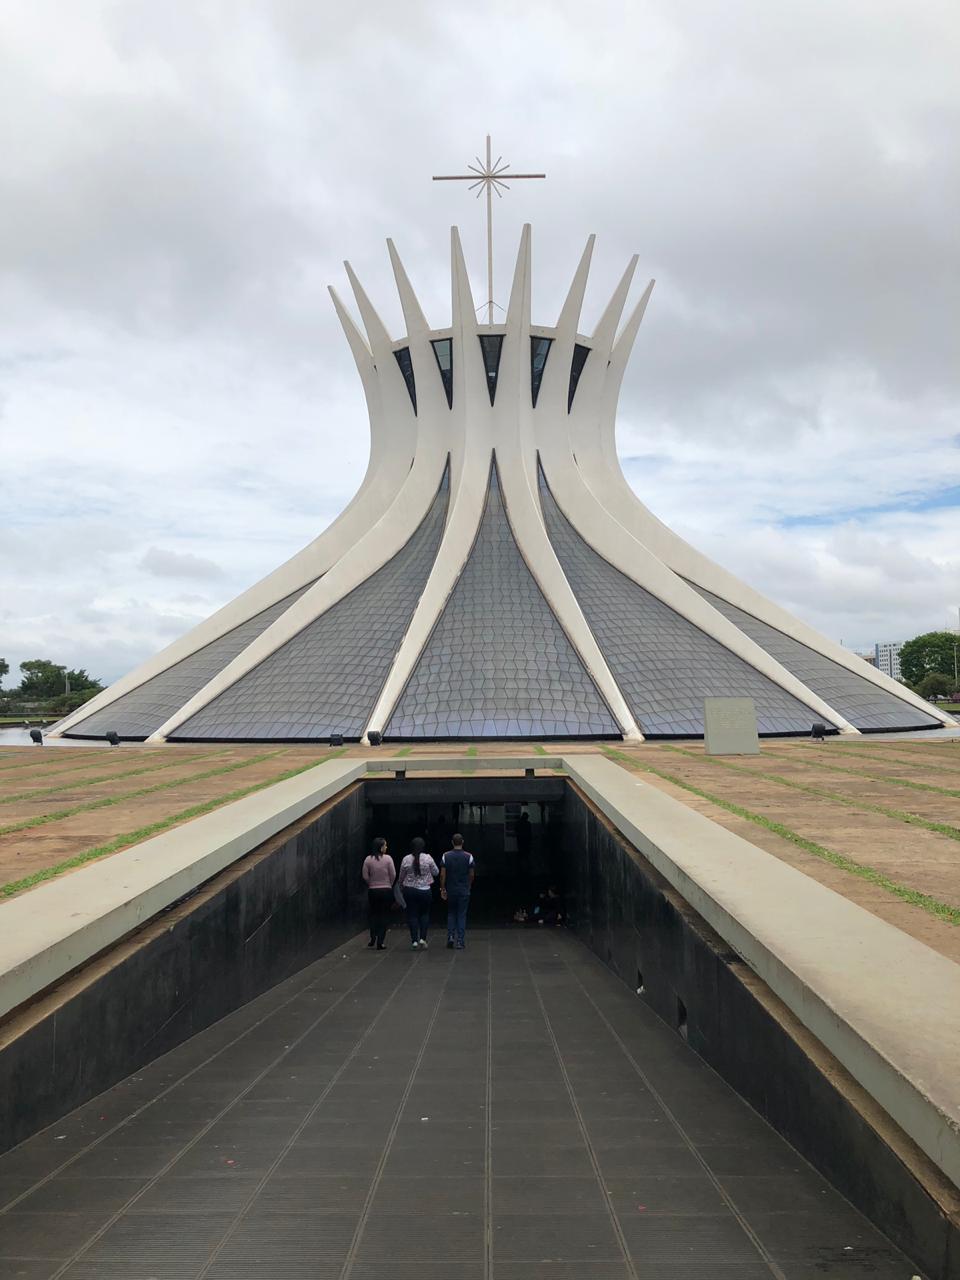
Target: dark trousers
x: 378, y: 901
x: 419, y: 902
x: 457, y: 904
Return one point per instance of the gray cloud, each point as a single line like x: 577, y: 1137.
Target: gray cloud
x: 180, y: 183
x: 179, y: 564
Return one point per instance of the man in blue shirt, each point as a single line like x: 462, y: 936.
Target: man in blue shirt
x: 456, y: 880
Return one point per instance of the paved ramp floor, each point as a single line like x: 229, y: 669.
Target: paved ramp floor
x: 509, y: 1112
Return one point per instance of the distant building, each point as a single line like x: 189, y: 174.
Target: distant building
x: 870, y: 657
x: 888, y: 658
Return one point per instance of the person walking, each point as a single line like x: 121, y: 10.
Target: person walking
x: 379, y: 874
x: 457, y: 872
x: 417, y: 874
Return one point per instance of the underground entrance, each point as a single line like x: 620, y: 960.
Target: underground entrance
x: 514, y: 827
x: 220, y: 963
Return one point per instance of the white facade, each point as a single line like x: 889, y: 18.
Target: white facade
x: 495, y: 575
x: 888, y: 658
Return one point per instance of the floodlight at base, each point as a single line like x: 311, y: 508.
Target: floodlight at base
x: 818, y: 731
x: 336, y: 739
x: 113, y: 738
x: 374, y: 738
x: 37, y: 737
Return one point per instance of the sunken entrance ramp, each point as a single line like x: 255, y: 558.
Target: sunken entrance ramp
x: 330, y: 1128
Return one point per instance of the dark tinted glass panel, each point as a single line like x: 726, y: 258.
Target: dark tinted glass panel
x: 863, y: 703
x: 326, y: 678
x: 580, y: 354
x: 665, y: 666
x: 443, y: 350
x: 491, y: 345
x: 498, y: 664
x: 539, y: 350
x: 138, y: 713
x: 406, y: 368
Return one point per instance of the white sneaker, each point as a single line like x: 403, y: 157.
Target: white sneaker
x: 423, y: 944
x: 414, y: 946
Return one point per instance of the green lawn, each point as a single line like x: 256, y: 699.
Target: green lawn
x: 18, y: 720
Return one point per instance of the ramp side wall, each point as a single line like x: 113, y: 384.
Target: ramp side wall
x: 280, y: 908
x: 642, y: 929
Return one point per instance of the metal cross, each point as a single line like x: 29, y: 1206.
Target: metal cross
x: 489, y: 178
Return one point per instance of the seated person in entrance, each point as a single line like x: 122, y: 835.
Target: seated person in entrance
x: 550, y: 907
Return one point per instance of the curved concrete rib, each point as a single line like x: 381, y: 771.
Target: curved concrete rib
x: 555, y: 386
x: 481, y: 430
x: 619, y: 548
x: 431, y: 398
x: 381, y: 543
x: 393, y: 446
x: 526, y: 520
x: 556, y: 432
x: 470, y: 423
x: 575, y: 443
x: 515, y: 446
x: 382, y: 539
x: 594, y: 446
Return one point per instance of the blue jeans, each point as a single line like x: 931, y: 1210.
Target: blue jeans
x: 419, y: 902
x: 457, y: 904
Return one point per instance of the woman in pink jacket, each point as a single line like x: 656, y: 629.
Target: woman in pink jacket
x: 379, y: 874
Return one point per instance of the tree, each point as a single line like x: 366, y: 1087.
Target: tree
x: 4, y: 668
x: 935, y: 685
x: 72, y: 701
x: 82, y: 682
x: 44, y: 679
x: 931, y: 652
x: 41, y: 678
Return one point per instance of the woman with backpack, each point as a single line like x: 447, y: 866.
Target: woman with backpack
x: 379, y: 874
x: 417, y: 874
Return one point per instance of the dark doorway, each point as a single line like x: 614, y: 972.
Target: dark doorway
x: 513, y: 827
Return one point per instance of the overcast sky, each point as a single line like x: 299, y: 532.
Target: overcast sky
x: 179, y: 411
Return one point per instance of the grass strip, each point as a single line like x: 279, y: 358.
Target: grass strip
x: 104, y: 802
x: 473, y: 751
x: 925, y: 901
x: 85, y: 757
x: 931, y: 759
x: 900, y: 815
x: 404, y: 751
x: 541, y: 751
x: 144, y: 833
x: 92, y: 759
x: 951, y: 747
x: 875, y: 777
x: 104, y: 777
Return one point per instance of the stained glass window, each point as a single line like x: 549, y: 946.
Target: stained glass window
x: 491, y: 345
x: 539, y: 350
x: 406, y: 368
x: 580, y: 354
x: 443, y: 350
